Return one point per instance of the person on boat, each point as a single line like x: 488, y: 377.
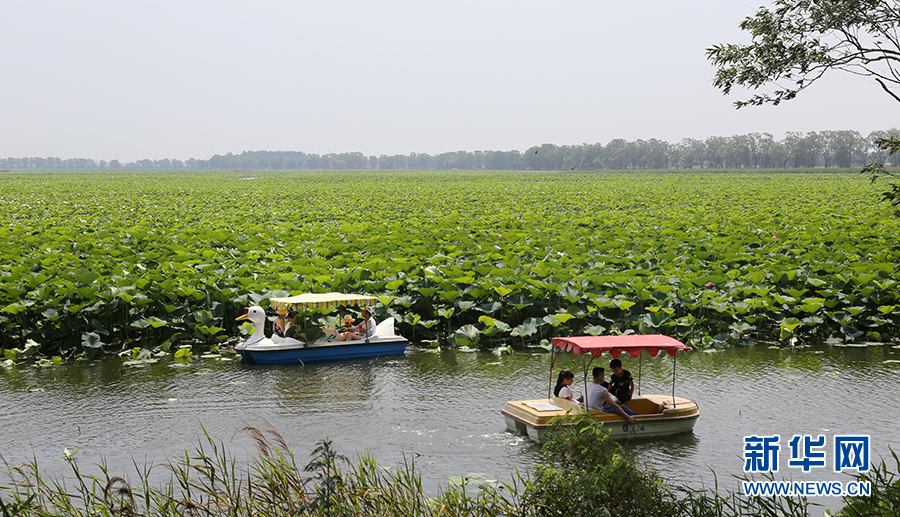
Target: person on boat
x: 601, y: 378
x: 621, y: 383
x: 565, y: 379
x: 603, y: 381
x: 279, y: 326
x: 598, y: 397
x: 289, y: 320
x: 365, y: 331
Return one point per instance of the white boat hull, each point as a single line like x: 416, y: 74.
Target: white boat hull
x: 533, y: 417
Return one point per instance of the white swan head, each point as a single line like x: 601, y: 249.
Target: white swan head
x: 256, y: 315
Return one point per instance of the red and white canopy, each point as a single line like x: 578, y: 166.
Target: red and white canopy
x: 615, y: 345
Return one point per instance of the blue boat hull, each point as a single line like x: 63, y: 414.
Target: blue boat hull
x: 332, y: 352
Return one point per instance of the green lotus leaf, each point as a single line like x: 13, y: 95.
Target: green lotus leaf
x: 740, y: 327
x: 449, y: 295
x: 523, y: 330
x: 92, y: 343
x: 501, y: 290
x: 14, y: 308
x: 864, y: 279
x: 490, y: 307
x: 558, y: 319
x: 446, y: 313
x: 595, y: 330
x: 465, y: 305
x: 467, y: 336
x: 428, y: 323
x: 719, y: 306
x: 655, y: 319
x: 784, y: 299
x: 394, y: 284
x: 850, y: 331
x: 85, y: 276
x: 405, y: 301
x: 790, y: 323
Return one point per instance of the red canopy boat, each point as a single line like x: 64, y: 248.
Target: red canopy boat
x: 657, y: 415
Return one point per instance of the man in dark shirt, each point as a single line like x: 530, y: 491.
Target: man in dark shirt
x: 621, y: 384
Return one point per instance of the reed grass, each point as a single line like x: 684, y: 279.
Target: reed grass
x: 585, y: 474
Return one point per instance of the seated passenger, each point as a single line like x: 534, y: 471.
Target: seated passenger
x: 365, y: 331
x: 602, y: 382
x: 621, y: 384
x: 289, y: 320
x: 565, y: 379
x: 279, y: 325
x: 598, y: 397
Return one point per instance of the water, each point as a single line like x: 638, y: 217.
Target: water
x: 442, y: 409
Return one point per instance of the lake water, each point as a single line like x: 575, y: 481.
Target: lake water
x: 443, y: 409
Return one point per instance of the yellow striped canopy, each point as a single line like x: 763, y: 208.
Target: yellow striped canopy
x: 303, y: 302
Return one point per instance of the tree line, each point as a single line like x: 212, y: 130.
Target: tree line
x: 842, y: 149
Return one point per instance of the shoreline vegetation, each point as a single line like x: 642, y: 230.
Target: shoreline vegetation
x: 842, y: 149
x: 138, y: 263
x: 584, y: 474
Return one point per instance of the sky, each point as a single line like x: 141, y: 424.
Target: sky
x: 106, y: 79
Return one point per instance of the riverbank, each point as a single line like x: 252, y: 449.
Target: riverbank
x: 583, y: 473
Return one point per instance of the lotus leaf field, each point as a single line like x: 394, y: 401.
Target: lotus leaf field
x: 99, y: 262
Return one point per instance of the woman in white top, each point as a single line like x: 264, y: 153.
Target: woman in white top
x: 565, y: 379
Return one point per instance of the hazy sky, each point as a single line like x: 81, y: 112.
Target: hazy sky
x: 189, y: 79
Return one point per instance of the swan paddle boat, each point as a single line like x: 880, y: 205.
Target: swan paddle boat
x: 657, y: 415
x: 278, y: 350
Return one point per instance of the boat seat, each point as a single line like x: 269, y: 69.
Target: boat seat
x: 385, y: 328
x: 568, y: 405
x: 642, y: 406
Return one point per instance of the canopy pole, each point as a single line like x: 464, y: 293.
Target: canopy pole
x: 674, y: 362
x: 553, y: 357
x: 584, y: 394
x: 640, y: 358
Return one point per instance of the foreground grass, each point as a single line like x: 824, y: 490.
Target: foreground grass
x: 585, y: 474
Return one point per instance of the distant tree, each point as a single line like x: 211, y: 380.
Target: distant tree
x: 890, y: 145
x: 691, y: 153
x: 875, y: 153
x: 616, y: 154
x: 797, y: 41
